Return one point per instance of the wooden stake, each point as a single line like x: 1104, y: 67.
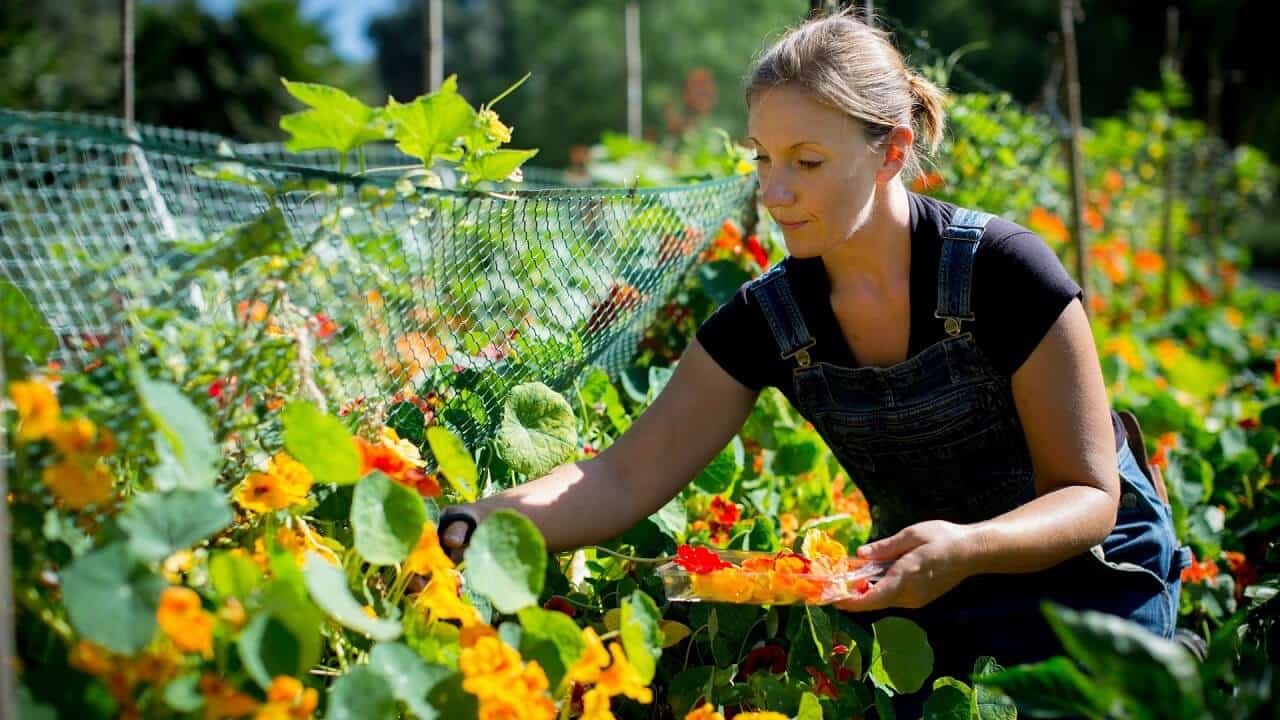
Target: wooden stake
x: 432, y: 45
x: 635, y: 94
x: 1169, y: 64
x: 126, y: 63
x: 1075, y: 158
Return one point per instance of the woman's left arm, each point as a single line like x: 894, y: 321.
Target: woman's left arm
x: 1062, y: 402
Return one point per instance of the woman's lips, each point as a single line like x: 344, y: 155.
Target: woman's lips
x: 790, y: 226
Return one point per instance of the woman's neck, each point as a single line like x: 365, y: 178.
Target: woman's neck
x: 879, y: 252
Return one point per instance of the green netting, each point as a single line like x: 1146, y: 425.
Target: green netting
x: 195, y: 252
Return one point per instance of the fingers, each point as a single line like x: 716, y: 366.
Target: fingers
x: 456, y: 526
x: 892, y: 547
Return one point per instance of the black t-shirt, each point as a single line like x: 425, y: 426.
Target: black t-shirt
x: 1019, y: 290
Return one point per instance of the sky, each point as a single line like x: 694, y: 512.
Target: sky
x: 346, y: 21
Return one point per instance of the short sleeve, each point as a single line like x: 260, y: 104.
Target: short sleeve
x: 1020, y: 290
x: 731, y: 335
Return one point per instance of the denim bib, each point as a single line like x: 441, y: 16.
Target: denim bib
x: 937, y: 436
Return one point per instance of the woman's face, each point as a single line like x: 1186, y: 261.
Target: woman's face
x: 818, y: 174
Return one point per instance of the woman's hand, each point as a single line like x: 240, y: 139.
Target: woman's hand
x: 455, y: 532
x: 928, y: 559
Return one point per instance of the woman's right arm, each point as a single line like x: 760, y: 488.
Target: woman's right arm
x: 584, y: 503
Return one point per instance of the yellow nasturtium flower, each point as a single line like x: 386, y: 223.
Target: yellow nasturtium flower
x: 78, y: 486
x: 37, y: 408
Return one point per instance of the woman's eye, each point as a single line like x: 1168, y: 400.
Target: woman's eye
x: 760, y: 159
x: 810, y: 164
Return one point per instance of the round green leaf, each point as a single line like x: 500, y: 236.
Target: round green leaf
x: 506, y: 561
x: 947, y: 702
x: 233, y: 575
x: 387, y: 518
x: 538, y: 430
x: 552, y: 638
x: 362, y: 694
x: 329, y: 590
x: 409, y: 678
x: 641, y: 633
x: 112, y: 600
x: 160, y: 524
x: 719, y: 475
x: 283, y: 638
x: 183, y: 694
x: 901, y: 657
x: 407, y: 420
x: 187, y: 439
x: 321, y: 443
x: 456, y: 463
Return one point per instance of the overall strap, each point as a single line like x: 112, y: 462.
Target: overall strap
x: 773, y: 292
x: 955, y: 269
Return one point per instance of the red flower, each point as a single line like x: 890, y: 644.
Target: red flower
x: 622, y: 298
x: 559, y: 604
x: 724, y: 512
x: 1245, y: 573
x: 1275, y: 375
x: 757, y: 252
x: 1249, y: 423
x: 822, y: 684
x: 426, y: 485
x: 767, y: 657
x: 324, y: 326
x: 699, y: 560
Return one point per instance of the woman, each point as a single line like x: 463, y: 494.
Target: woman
x: 944, y: 356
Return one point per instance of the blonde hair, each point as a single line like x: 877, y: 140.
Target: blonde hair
x: 853, y: 67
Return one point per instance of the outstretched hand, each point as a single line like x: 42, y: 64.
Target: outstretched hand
x: 925, y: 560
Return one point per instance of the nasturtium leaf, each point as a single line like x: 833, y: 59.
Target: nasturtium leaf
x: 431, y: 125
x: 673, y: 632
x: 329, y: 590
x: 183, y: 694
x: 506, y: 561
x: 1123, y: 656
x: 362, y: 693
x: 27, y: 335
x: 160, y: 524
x: 456, y: 463
x: 989, y: 703
x: 387, y: 519
x: 29, y: 708
x: 112, y: 599
x: 1270, y: 416
x: 233, y: 575
x: 408, y: 676
x: 901, y: 656
x: 552, y: 638
x: 1053, y: 688
x: 810, y: 708
x: 723, y: 470
x: 796, y: 458
x: 449, y: 698
x: 321, y: 443
x: 335, y: 120
x: 408, y: 421
x: 282, y: 638
x: 599, y: 394
x: 641, y: 633
x: 184, y: 431
x: 948, y: 702
x: 538, y: 429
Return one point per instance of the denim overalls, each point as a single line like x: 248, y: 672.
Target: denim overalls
x: 937, y: 436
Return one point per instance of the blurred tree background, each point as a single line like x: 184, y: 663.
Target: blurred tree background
x: 219, y: 71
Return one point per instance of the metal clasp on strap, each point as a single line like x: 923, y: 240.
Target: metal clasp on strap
x: 801, y: 355
x: 951, y: 323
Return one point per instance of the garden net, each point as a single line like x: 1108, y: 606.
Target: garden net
x: 190, y: 251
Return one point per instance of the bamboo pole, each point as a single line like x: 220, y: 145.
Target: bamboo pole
x: 1169, y: 64
x: 432, y: 45
x: 1075, y: 158
x: 127, y: 62
x: 635, y: 90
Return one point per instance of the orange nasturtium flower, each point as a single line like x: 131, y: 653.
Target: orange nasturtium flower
x: 428, y: 557
x: 284, y: 483
x: 223, y: 700
x: 37, y: 408
x: 706, y: 712
x: 1048, y: 225
x: 181, y: 617
x: 77, y: 485
x: 1148, y: 261
x: 79, y: 436
x: 506, y: 686
x: 287, y: 699
x: 1199, y: 571
x: 760, y: 715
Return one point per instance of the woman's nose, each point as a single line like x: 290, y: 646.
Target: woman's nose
x: 774, y: 192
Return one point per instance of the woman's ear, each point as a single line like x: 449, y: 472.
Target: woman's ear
x: 897, y: 145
